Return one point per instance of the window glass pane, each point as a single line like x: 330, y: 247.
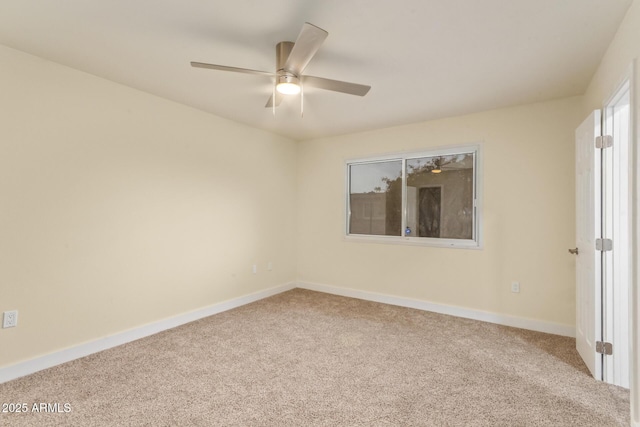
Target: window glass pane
x: 440, y: 196
x: 375, y: 198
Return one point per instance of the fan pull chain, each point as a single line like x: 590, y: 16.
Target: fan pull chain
x: 301, y: 100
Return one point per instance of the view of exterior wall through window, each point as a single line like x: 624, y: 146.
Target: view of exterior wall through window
x: 429, y: 198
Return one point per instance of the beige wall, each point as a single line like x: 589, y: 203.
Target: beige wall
x: 616, y: 62
x: 528, y: 216
x: 615, y: 66
x: 118, y: 208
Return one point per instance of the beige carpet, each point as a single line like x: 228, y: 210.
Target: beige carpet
x: 309, y: 359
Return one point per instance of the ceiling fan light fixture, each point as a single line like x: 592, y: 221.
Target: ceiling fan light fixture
x: 438, y: 170
x: 288, y: 85
x: 288, y: 88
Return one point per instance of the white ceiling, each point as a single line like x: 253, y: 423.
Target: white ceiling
x: 424, y: 59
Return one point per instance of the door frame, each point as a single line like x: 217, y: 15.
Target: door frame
x: 617, y: 265
x: 634, y: 290
x: 634, y: 285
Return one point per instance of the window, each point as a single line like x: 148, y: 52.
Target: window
x: 429, y: 198
x: 375, y: 198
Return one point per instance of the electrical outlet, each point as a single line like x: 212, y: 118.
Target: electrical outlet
x: 515, y: 287
x: 270, y: 266
x: 10, y: 319
x: 255, y: 269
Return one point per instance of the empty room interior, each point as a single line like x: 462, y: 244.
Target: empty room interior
x: 319, y: 213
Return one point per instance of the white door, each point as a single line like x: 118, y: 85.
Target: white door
x: 588, y: 260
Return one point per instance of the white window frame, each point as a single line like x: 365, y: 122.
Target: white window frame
x: 475, y: 242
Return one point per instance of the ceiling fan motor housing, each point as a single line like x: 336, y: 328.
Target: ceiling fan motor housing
x: 285, y: 77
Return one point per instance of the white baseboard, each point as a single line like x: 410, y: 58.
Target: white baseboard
x: 56, y: 358
x: 485, y: 316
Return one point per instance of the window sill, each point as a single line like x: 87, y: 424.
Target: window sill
x: 414, y: 241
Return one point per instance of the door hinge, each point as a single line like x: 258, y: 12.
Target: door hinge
x: 604, y: 141
x: 604, y: 347
x: 604, y: 245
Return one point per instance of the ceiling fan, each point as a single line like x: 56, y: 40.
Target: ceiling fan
x: 452, y: 162
x: 439, y: 164
x: 291, y: 60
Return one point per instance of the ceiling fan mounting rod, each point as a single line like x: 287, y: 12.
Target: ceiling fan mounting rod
x: 283, y: 49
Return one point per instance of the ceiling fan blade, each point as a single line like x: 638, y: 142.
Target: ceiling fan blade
x: 306, y: 45
x: 336, y: 85
x: 278, y: 100
x: 234, y: 69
